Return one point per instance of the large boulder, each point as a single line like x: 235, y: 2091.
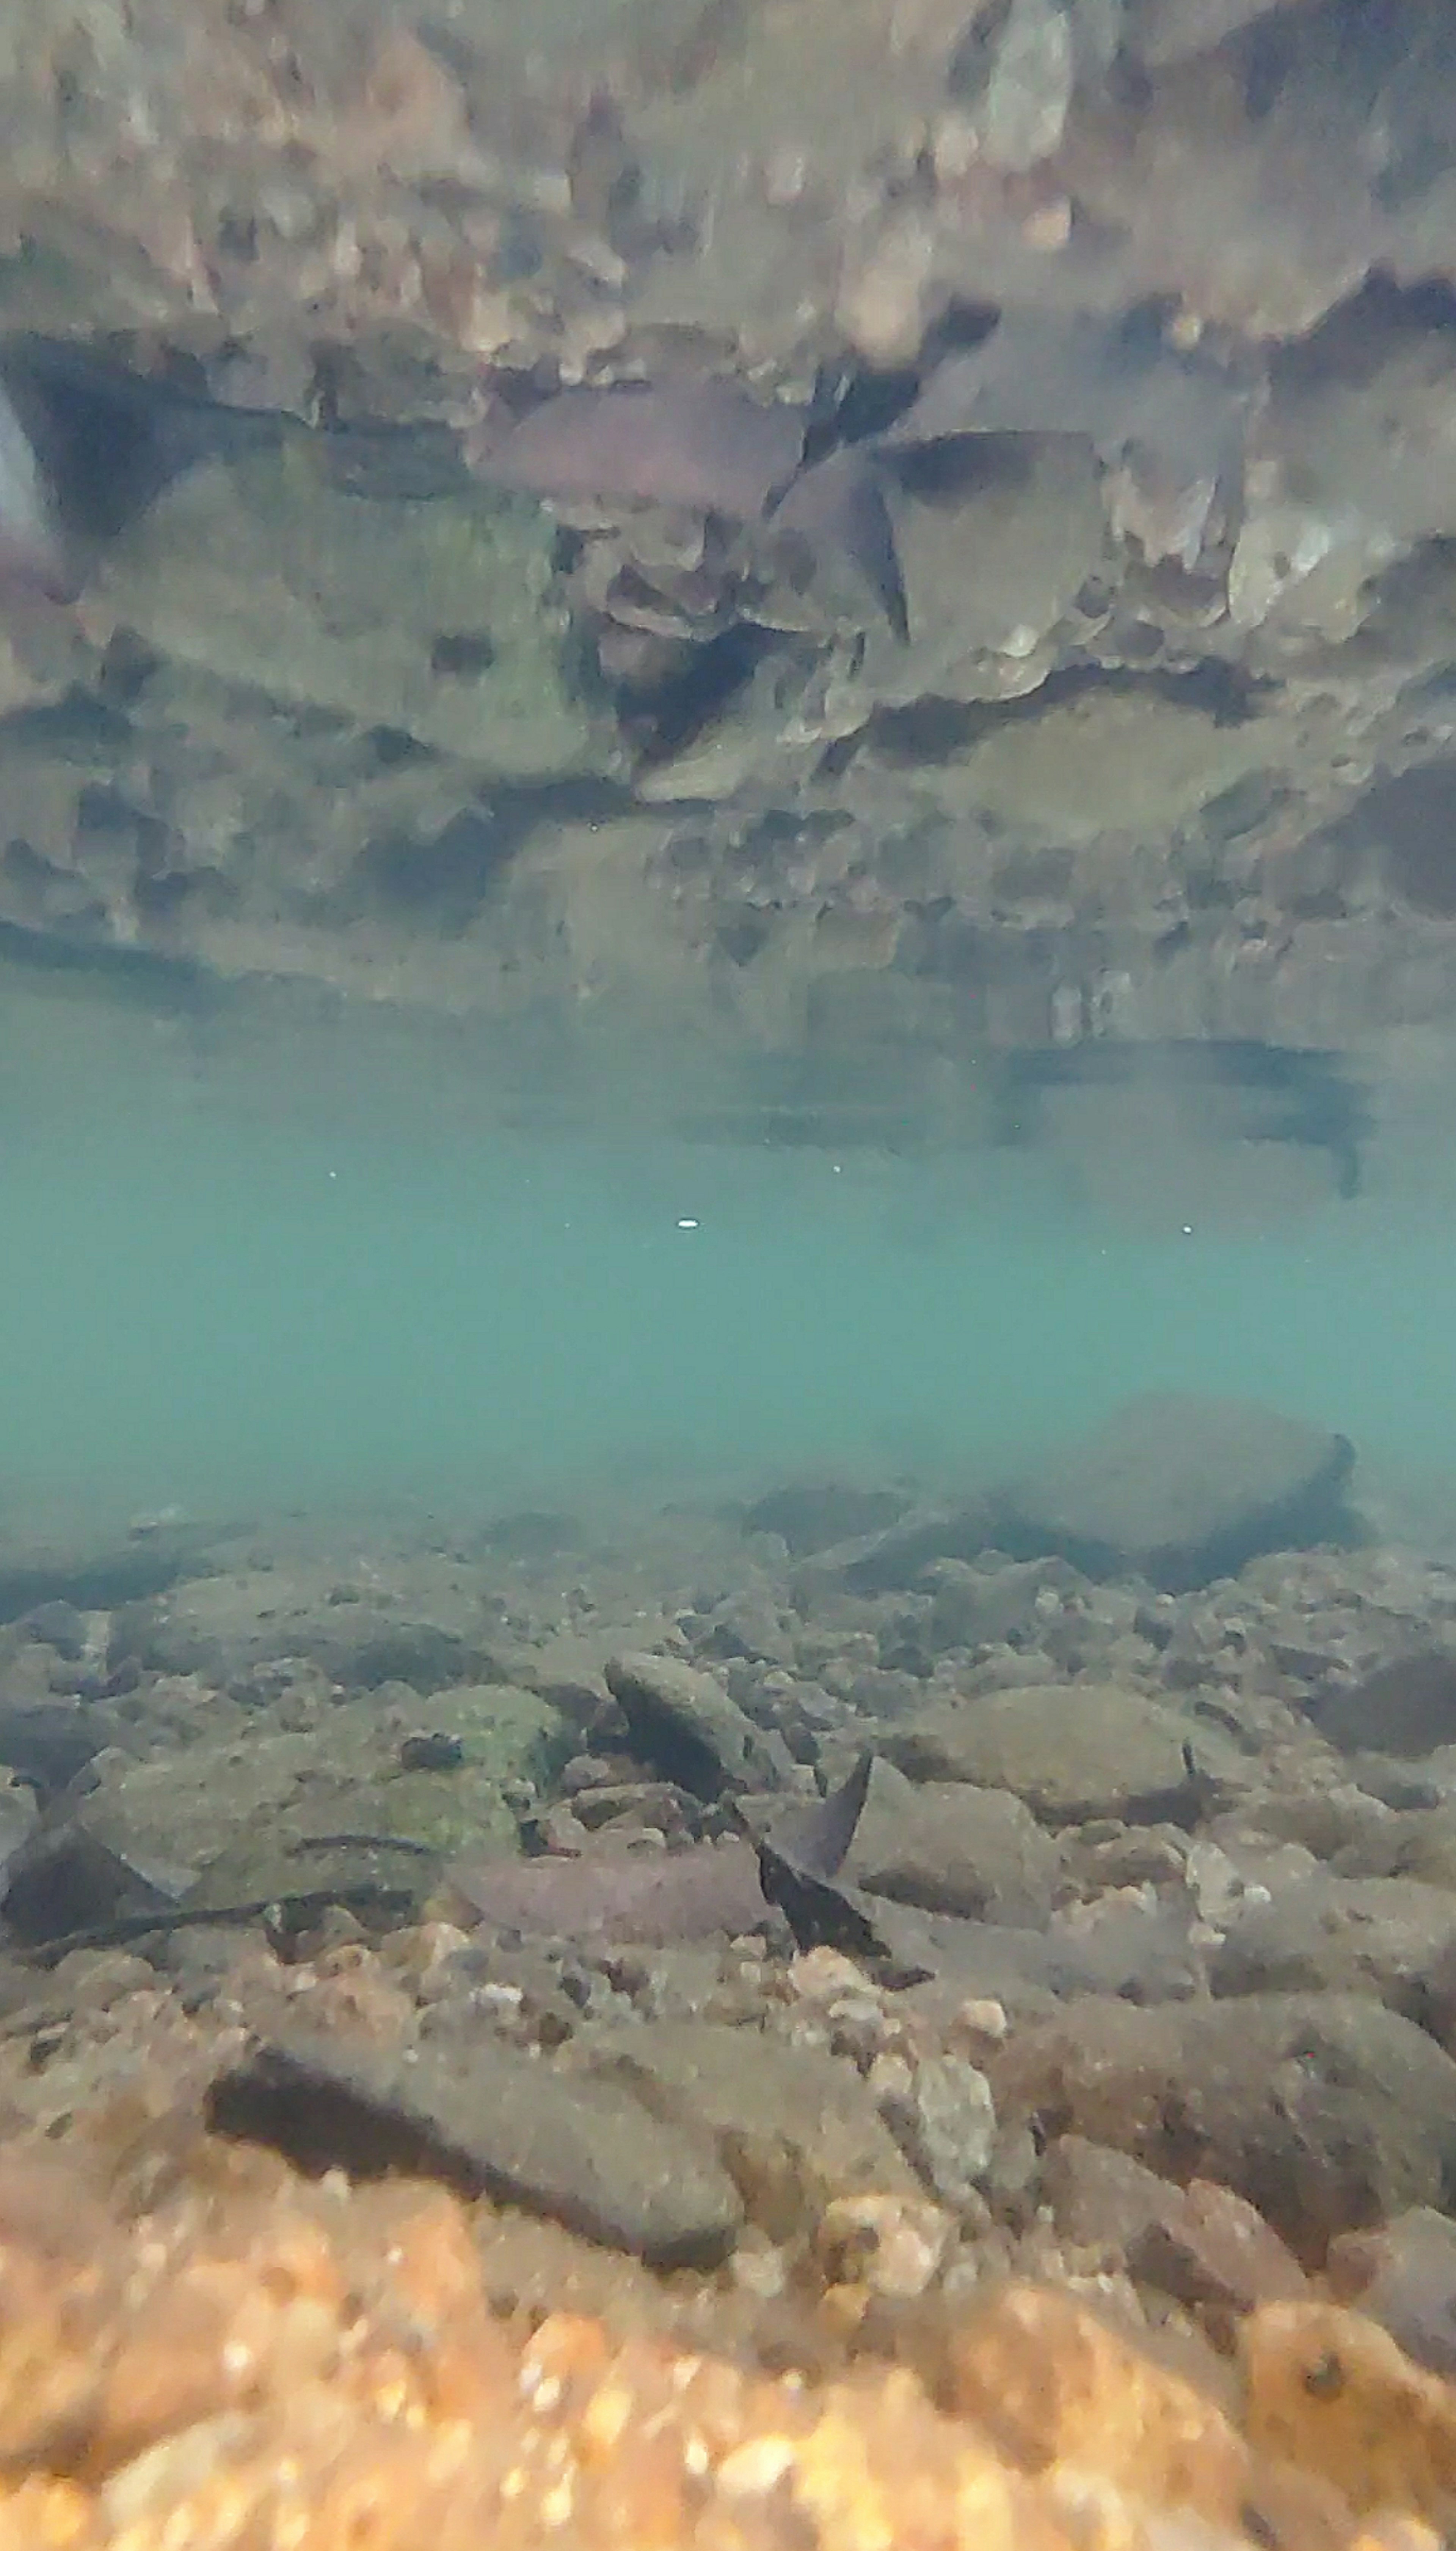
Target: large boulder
x: 1070, y: 1750
x: 1325, y: 2110
x: 1182, y: 1490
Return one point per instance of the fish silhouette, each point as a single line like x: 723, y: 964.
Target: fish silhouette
x: 87, y: 445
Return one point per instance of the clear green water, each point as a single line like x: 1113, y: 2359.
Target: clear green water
x: 328, y: 1282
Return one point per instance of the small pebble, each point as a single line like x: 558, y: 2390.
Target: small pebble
x: 821, y: 1975
x: 895, y: 2245
x: 431, y: 1752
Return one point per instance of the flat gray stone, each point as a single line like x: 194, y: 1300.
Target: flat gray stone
x: 794, y: 2125
x: 490, y: 2122
x: 1068, y: 1750
x: 1386, y: 1936
x: 954, y: 1847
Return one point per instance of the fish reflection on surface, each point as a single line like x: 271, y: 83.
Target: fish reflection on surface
x: 711, y: 447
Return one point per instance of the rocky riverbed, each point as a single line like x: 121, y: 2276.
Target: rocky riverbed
x: 654, y: 2031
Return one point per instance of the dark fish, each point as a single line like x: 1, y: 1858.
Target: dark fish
x: 107, y: 441
x: 816, y: 1838
x: 800, y: 1860
x: 31, y: 551
x: 705, y: 445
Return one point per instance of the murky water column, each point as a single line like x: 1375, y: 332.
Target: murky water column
x: 215, y: 1294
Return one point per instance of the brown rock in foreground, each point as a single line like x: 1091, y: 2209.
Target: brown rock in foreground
x: 1324, y: 2110
x: 266, y: 2362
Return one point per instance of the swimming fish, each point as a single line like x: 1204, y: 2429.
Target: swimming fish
x: 711, y: 1889
x: 706, y: 445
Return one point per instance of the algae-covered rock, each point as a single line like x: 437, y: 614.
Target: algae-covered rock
x: 358, y: 605
x: 278, y: 1812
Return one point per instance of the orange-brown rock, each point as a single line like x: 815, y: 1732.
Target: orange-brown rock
x: 262, y: 2363
x: 1334, y: 2393
x: 1057, y: 2387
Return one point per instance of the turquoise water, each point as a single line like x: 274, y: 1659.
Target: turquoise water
x: 360, y: 1290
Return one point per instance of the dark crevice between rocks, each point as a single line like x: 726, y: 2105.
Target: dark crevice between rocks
x: 934, y: 729
x: 78, y: 722
x: 96, y: 1585
x: 667, y: 719
x: 1410, y: 820
x: 1357, y: 337
x: 963, y: 465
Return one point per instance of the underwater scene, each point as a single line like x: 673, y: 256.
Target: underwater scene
x: 727, y: 1241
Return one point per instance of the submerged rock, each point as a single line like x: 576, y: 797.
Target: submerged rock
x: 810, y: 1518
x: 1070, y: 1750
x: 683, y: 1722
x: 1407, y: 1708
x: 954, y: 1847
x: 1403, y: 2275
x: 794, y: 2125
x: 1201, y: 2244
x: 946, y: 2123
x: 416, y: 1623
x: 490, y: 2122
x: 1182, y: 1489
x: 240, y: 2360
x: 1391, y: 1937
x: 1325, y: 2110
x: 275, y: 1812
